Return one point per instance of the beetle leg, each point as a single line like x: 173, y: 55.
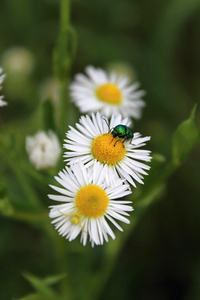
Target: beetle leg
x: 112, y: 140
x: 116, y: 142
x: 107, y: 124
x: 124, y: 140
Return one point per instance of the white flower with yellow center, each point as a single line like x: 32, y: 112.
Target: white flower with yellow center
x: 108, y: 93
x: 88, y: 203
x: 2, y: 76
x: 92, y: 141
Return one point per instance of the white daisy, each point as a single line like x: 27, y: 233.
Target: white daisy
x: 88, y: 203
x: 92, y: 141
x: 108, y: 93
x: 2, y: 76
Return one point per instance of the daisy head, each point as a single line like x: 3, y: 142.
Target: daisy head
x: 108, y: 93
x: 2, y: 76
x: 95, y: 139
x: 88, y: 204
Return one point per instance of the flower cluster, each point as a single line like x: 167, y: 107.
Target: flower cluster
x: 2, y: 76
x: 103, y: 159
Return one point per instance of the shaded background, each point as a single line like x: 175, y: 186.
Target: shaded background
x: 159, y: 41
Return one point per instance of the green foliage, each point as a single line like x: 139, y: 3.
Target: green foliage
x: 5, y: 205
x: 42, y: 286
x: 184, y: 139
x: 159, y: 250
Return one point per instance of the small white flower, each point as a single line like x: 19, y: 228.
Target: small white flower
x: 43, y: 149
x: 18, y: 61
x: 92, y: 141
x: 108, y: 93
x: 2, y: 76
x: 88, y: 203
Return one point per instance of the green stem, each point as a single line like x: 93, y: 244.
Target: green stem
x: 30, y: 217
x: 58, y: 242
x: 61, y: 256
x: 64, y: 109
x: 64, y: 14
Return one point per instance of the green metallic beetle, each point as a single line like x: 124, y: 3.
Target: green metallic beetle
x: 122, y: 131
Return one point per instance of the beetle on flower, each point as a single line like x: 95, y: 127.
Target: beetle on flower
x: 122, y: 131
x: 92, y: 142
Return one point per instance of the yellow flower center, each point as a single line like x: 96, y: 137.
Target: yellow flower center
x: 108, y: 150
x: 110, y: 93
x: 91, y: 201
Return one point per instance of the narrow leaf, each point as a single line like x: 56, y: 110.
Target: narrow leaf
x: 184, y: 139
x: 39, y: 285
x: 54, y: 279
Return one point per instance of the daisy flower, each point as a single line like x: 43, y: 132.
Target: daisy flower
x: 108, y: 93
x: 88, y: 203
x: 2, y: 76
x: 93, y: 141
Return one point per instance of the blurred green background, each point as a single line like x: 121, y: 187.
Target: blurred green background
x: 158, y: 42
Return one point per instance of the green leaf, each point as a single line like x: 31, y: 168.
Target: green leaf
x: 5, y: 205
x: 184, y: 139
x: 39, y: 285
x: 54, y: 279
x: 64, y: 52
x: 6, y: 208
